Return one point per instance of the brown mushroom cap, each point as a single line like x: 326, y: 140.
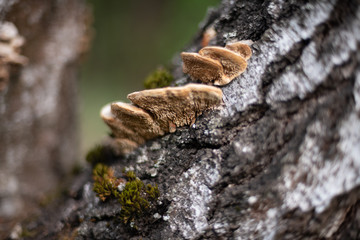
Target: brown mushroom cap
x: 208, y: 35
x: 240, y: 48
x: 126, y: 145
x: 108, y: 117
x: 233, y: 64
x: 201, y: 68
x: 136, y: 119
x: 177, y: 105
x: 117, y: 126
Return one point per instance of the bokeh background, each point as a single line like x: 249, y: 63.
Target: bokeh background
x: 132, y: 38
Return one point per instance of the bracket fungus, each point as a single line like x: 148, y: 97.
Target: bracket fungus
x: 217, y: 65
x: 208, y: 35
x: 10, y: 46
x: 158, y: 111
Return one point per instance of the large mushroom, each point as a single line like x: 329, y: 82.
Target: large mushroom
x: 177, y: 106
x: 157, y: 111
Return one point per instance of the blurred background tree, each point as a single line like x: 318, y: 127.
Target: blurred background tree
x: 132, y: 38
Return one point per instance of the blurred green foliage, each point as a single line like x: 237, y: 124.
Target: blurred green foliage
x: 131, y: 39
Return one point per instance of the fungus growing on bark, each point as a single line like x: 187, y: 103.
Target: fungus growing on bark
x: 203, y: 68
x: 233, y: 64
x: 242, y: 48
x: 134, y: 117
x: 177, y: 105
x: 126, y: 138
x: 217, y: 65
x: 10, y: 44
x: 157, y: 111
x: 208, y: 35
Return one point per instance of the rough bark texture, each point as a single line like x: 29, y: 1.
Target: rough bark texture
x: 280, y: 160
x: 38, y: 104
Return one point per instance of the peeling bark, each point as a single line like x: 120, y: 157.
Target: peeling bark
x: 280, y: 160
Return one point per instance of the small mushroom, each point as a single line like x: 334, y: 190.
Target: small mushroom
x: 234, y: 64
x: 201, y: 68
x: 157, y: 111
x: 208, y: 35
x: 205, y: 66
x: 10, y: 55
x: 240, y: 48
x: 10, y: 46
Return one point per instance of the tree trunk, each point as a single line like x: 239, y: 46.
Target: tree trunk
x: 38, y: 99
x: 279, y: 160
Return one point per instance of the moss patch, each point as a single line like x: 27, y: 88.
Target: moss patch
x: 100, y: 154
x: 136, y: 198
x: 158, y: 79
x: 105, y: 183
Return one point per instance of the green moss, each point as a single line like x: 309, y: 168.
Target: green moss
x: 136, y: 198
x: 96, y: 154
x: 159, y: 78
x: 25, y: 233
x: 100, y: 154
x: 105, y: 184
x: 153, y: 192
x: 130, y: 175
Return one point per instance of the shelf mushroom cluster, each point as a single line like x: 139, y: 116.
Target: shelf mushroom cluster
x: 157, y: 111
x: 10, y: 48
x: 217, y: 65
